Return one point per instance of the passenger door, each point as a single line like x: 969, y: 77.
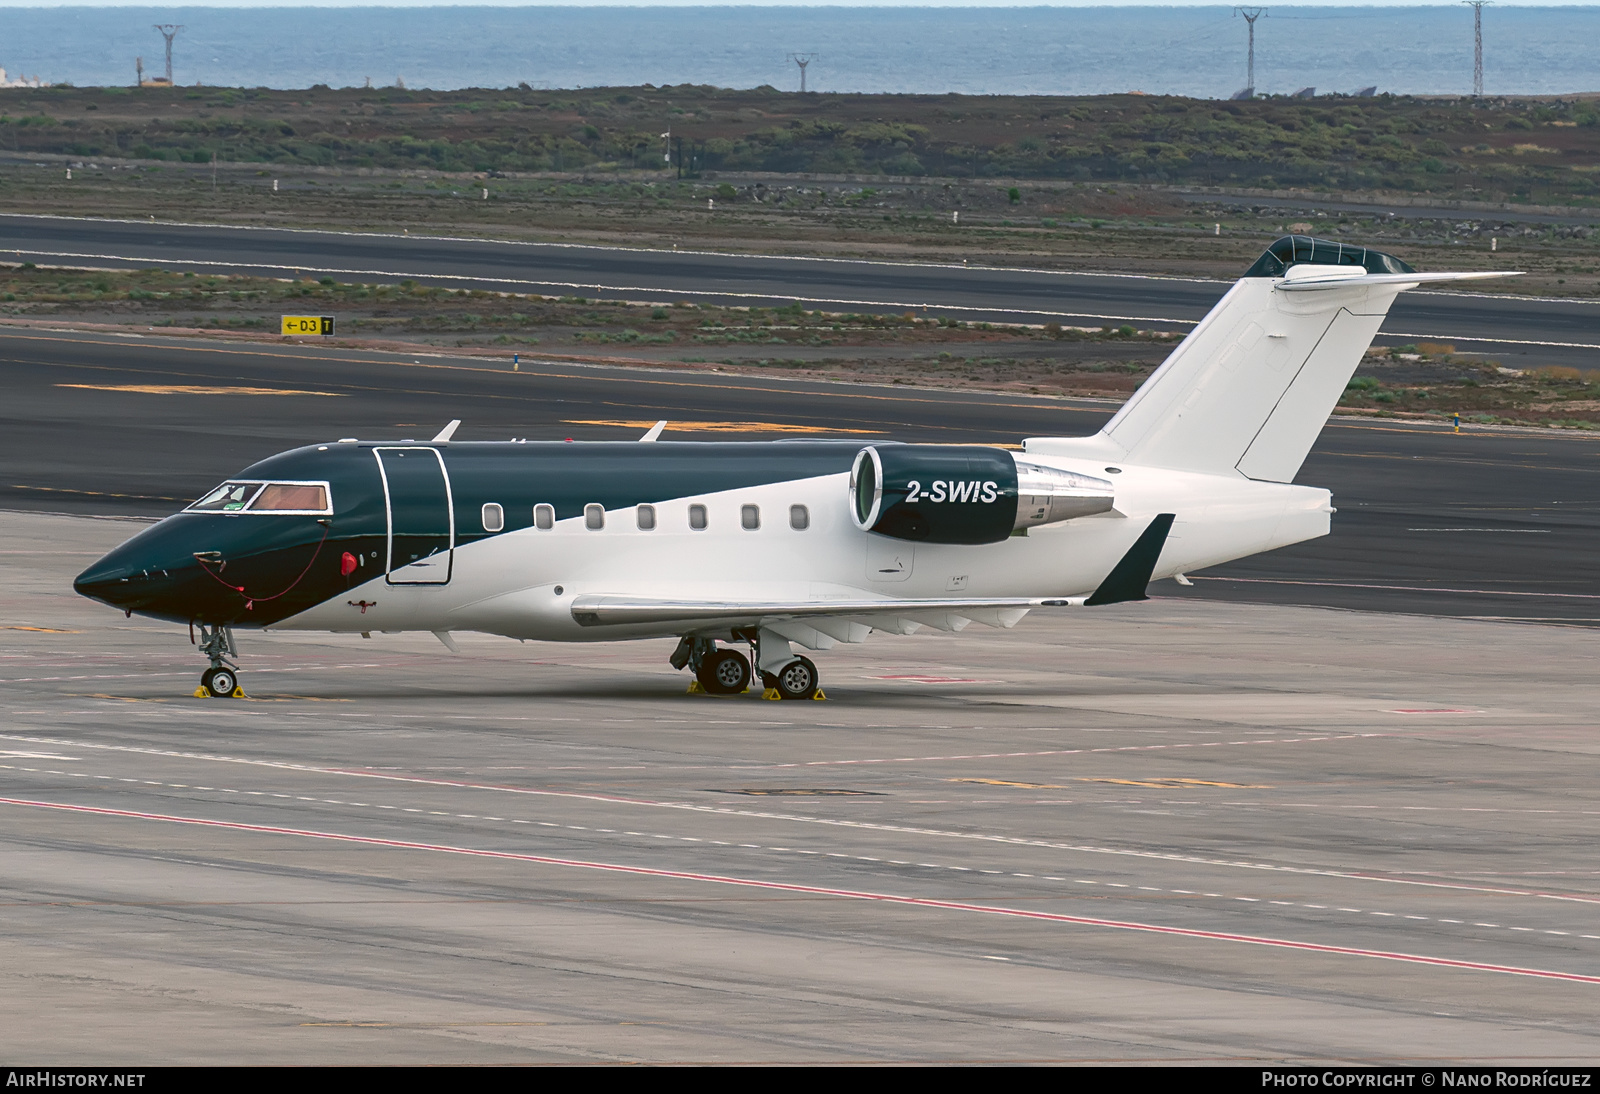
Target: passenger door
x: 422, y: 529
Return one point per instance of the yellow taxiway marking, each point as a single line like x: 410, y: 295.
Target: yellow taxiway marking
x: 115, y: 698
x: 726, y: 427
x: 168, y: 699
x: 1002, y: 782
x: 200, y: 389
x: 41, y: 630
x: 1175, y: 784
x: 94, y: 494
x: 426, y: 1025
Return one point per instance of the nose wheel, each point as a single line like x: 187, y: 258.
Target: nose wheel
x: 221, y: 680
x: 221, y: 683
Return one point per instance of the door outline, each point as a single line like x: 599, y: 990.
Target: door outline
x: 900, y: 555
x: 388, y: 512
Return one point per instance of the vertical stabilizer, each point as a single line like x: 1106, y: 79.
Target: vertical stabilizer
x: 1251, y: 387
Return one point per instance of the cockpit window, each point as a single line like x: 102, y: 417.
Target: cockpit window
x: 296, y: 497
x: 265, y: 497
x: 230, y: 497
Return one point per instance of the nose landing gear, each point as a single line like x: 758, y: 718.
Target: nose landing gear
x: 221, y: 680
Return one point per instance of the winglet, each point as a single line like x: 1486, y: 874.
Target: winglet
x: 654, y: 431
x: 447, y: 432
x: 1128, y: 578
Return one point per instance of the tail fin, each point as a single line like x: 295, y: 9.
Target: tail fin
x: 1251, y: 387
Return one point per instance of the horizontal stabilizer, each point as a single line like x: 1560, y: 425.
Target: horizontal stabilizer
x: 1128, y: 578
x: 1410, y: 280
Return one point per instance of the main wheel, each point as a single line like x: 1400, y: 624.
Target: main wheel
x: 725, y: 672
x: 221, y: 683
x: 797, y: 679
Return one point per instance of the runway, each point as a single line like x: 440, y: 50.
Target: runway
x: 1507, y: 326
x: 1170, y: 832
x: 1496, y: 523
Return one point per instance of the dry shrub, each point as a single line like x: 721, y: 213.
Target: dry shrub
x: 1558, y: 372
x: 1434, y: 349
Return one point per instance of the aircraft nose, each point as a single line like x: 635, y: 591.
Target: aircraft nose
x: 100, y: 582
x: 122, y: 585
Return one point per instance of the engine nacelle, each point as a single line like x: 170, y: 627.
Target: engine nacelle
x: 964, y: 493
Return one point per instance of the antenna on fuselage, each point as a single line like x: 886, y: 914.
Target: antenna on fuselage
x: 654, y: 431
x: 447, y: 432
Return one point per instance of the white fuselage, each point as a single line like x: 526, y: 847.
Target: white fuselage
x: 522, y: 583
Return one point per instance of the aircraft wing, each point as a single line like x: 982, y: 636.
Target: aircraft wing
x: 598, y: 611
x: 817, y: 624
x: 848, y: 619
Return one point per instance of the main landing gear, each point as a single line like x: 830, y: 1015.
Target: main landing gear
x: 221, y: 680
x: 723, y: 671
x: 796, y: 680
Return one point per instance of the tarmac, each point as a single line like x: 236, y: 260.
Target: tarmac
x: 1491, y: 522
x: 1504, y: 325
x: 1183, y: 831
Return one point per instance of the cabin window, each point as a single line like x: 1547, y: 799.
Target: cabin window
x: 750, y: 517
x: 647, y: 517
x: 799, y: 518
x: 544, y: 517
x: 697, y: 517
x: 494, y: 517
x: 594, y: 516
x: 230, y: 497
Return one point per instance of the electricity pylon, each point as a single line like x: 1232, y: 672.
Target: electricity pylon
x: 1477, y: 45
x: 169, y: 31
x: 1250, y: 16
x: 803, y: 59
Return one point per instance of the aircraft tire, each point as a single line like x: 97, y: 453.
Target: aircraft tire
x: 725, y: 672
x: 797, y: 679
x: 220, y: 683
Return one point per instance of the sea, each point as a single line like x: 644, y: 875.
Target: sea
x: 1194, y: 51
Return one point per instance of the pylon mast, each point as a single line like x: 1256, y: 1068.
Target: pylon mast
x: 803, y: 59
x: 1250, y: 16
x: 1477, y: 46
x: 169, y: 31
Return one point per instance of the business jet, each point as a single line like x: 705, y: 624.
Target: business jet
x: 773, y: 545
